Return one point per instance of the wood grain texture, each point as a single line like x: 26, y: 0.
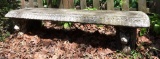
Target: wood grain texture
x: 40, y: 3
x: 110, y: 4
x: 22, y: 3
x: 96, y: 4
x: 61, y: 4
x: 67, y: 4
x: 31, y: 4
x: 125, y: 5
x: 142, y: 5
x: 49, y: 3
x: 71, y: 3
x: 83, y: 4
x: 119, y: 18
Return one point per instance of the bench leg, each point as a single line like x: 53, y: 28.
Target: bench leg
x: 133, y: 38
x: 128, y: 39
x: 21, y: 24
x: 27, y: 25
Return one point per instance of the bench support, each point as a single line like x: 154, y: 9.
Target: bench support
x: 133, y: 38
x: 27, y: 25
x: 128, y: 37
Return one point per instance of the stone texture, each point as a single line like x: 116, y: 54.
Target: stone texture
x: 117, y: 18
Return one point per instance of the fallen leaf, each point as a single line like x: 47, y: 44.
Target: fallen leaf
x: 40, y: 55
x: 144, y: 39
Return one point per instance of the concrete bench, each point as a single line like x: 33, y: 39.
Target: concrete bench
x: 126, y: 20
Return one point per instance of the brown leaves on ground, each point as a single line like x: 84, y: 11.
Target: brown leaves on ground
x: 144, y: 39
x: 33, y: 47
x: 149, y: 46
x: 73, y: 44
x: 103, y: 29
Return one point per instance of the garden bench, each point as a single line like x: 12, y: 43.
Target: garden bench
x: 123, y: 19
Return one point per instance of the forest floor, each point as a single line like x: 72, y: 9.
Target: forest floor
x: 74, y: 44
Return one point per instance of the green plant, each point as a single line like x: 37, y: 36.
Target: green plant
x: 5, y: 24
x: 143, y: 31
x: 67, y: 25
x: 45, y: 2
x: 118, y: 3
x: 135, y: 55
x: 133, y: 4
x: 155, y: 23
x: 76, y: 2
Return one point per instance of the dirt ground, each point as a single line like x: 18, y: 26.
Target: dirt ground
x: 74, y: 44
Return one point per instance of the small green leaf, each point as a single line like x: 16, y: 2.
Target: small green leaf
x: 143, y: 31
x: 157, y: 28
x: 70, y: 24
x: 66, y: 25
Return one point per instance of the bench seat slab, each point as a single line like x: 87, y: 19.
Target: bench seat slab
x: 117, y: 18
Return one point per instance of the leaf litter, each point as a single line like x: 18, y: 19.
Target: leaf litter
x: 85, y: 41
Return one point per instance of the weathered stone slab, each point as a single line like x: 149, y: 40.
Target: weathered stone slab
x: 118, y: 18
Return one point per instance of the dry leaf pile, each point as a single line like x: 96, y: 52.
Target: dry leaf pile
x: 57, y: 44
x: 84, y: 42
x: 103, y: 29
